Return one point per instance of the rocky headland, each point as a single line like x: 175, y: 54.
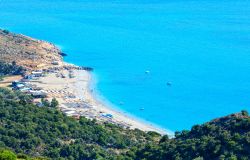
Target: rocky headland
x: 28, y: 52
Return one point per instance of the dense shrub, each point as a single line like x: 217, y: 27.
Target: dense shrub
x: 7, y: 155
x: 226, y: 138
x: 45, y: 131
x: 10, y: 69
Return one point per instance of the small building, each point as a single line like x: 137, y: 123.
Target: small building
x: 38, y: 94
x: 25, y: 90
x: 17, y: 85
x: 55, y: 63
x: 37, y: 74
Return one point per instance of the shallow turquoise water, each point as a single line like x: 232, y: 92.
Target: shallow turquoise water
x: 201, y: 47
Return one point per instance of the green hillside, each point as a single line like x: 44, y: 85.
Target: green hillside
x: 44, y: 131
x: 227, y: 138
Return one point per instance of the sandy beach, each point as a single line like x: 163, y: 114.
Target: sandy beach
x: 72, y: 89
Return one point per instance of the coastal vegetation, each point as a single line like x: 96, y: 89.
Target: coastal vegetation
x: 226, y: 138
x: 45, y: 131
x: 27, y: 129
x: 9, y: 155
x: 10, y: 69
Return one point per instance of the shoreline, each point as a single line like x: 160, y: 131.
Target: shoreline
x: 120, y: 114
x: 72, y: 90
x: 72, y: 87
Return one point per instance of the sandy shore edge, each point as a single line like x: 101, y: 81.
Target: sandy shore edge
x: 119, y: 115
x: 72, y: 87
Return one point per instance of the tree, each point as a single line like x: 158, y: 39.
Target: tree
x: 164, y: 139
x: 13, y: 63
x: 7, y: 155
x: 232, y: 157
x: 244, y: 112
x: 54, y: 103
x: 45, y: 102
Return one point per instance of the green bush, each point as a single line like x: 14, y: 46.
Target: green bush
x: 10, y: 69
x: 7, y: 155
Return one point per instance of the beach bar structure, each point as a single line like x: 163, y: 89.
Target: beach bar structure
x: 37, y: 74
x: 29, y: 89
x: 38, y: 94
x: 17, y: 85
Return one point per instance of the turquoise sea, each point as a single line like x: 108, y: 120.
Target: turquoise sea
x: 201, y: 46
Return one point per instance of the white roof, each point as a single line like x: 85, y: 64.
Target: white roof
x: 37, y: 72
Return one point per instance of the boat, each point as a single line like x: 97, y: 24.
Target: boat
x: 169, y: 83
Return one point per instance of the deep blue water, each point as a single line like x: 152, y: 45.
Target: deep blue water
x: 202, y: 47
